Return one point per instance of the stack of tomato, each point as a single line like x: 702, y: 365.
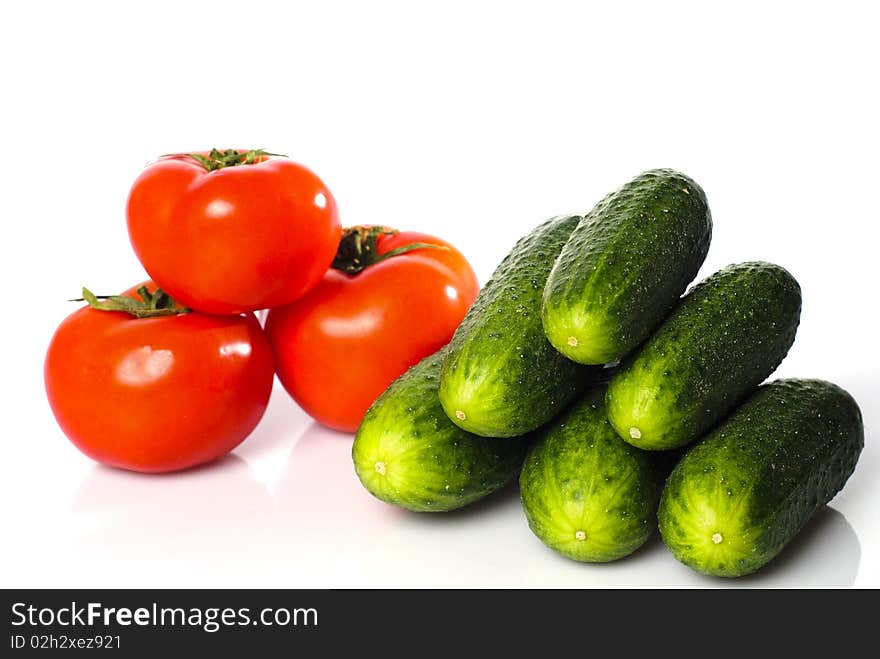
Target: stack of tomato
x: 177, y: 371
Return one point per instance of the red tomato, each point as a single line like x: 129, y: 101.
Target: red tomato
x: 232, y: 231
x: 343, y: 343
x: 160, y: 393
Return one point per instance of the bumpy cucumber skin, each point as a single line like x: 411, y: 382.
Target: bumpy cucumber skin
x: 625, y: 266
x: 408, y: 453
x: 725, y: 337
x: 501, y: 377
x: 586, y: 493
x: 759, y: 477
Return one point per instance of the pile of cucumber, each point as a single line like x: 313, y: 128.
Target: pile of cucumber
x: 621, y: 404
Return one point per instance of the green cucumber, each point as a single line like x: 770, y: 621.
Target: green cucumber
x: 724, y: 338
x: 501, y: 377
x: 408, y: 453
x: 586, y: 493
x: 742, y: 493
x: 625, y: 266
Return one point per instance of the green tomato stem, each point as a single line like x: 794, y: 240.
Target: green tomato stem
x: 218, y: 159
x: 358, y: 248
x: 151, y: 305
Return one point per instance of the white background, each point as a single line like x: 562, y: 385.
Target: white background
x: 473, y: 121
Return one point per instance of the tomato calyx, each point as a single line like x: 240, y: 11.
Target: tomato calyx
x: 151, y: 305
x: 358, y: 248
x: 217, y: 159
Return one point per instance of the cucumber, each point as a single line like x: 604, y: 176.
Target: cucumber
x: 586, y: 493
x: 625, y: 266
x: 742, y: 493
x: 725, y: 337
x: 501, y: 377
x: 408, y: 453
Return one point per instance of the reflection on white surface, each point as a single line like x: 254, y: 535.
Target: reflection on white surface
x: 208, y: 513
x: 826, y: 554
x: 287, y: 510
x: 267, y: 447
x: 321, y: 529
x: 502, y: 552
x: 321, y: 501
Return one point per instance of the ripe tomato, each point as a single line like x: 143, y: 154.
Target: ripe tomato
x: 385, y: 304
x: 232, y: 231
x: 158, y: 393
